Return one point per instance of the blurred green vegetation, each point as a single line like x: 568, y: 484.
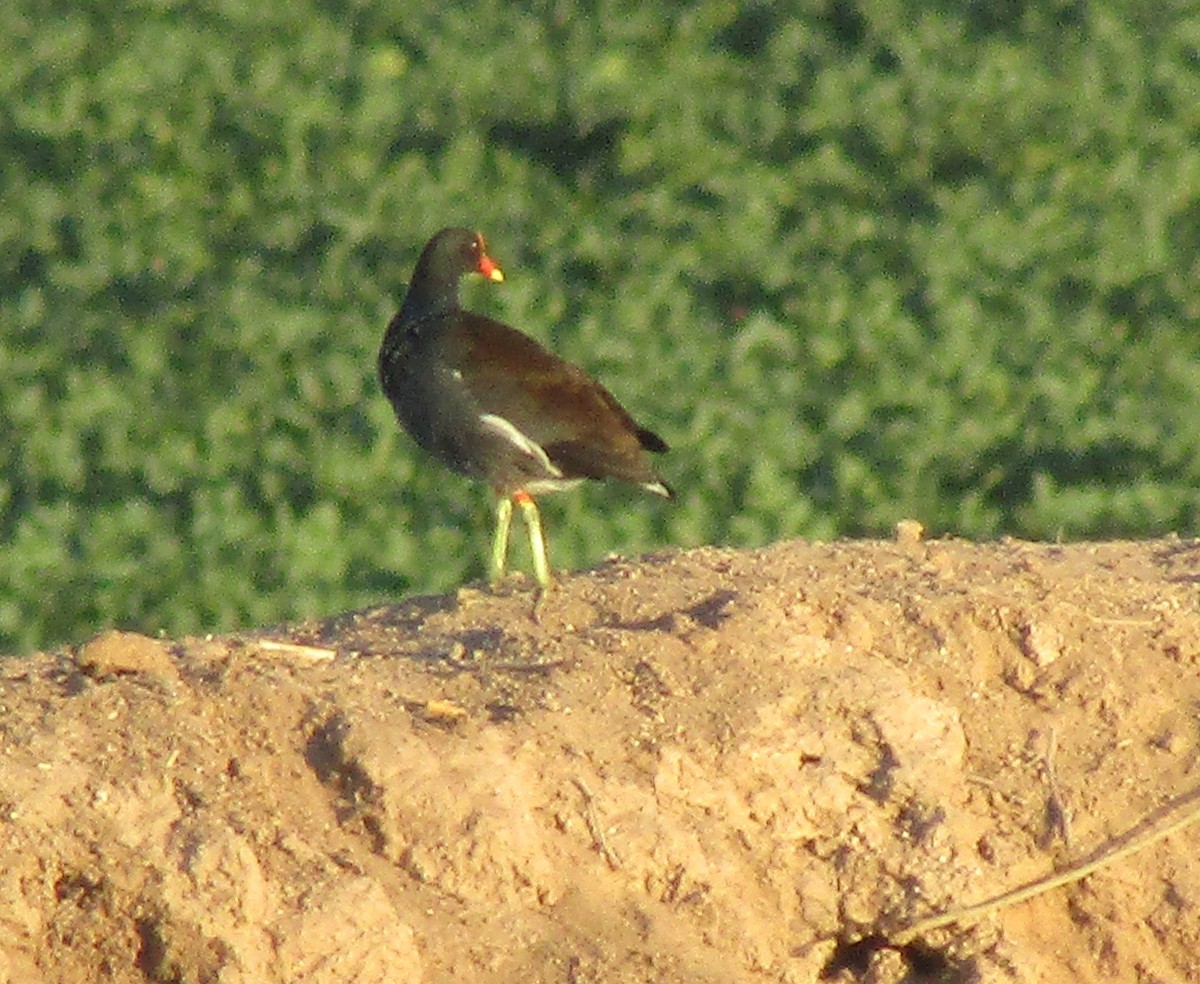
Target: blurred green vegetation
x: 855, y: 261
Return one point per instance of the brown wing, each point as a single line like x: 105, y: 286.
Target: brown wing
x: 579, y: 423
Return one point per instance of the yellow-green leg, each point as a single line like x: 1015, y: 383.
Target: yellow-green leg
x: 537, y: 541
x: 500, y: 542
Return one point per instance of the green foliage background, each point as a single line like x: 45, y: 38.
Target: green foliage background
x: 856, y: 261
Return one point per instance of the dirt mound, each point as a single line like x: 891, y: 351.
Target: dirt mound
x: 710, y: 766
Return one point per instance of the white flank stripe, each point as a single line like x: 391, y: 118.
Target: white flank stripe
x: 498, y: 425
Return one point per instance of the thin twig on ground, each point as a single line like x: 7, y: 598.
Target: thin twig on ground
x: 593, y: 824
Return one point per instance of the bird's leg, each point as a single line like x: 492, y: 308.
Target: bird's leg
x: 500, y: 542
x: 537, y: 541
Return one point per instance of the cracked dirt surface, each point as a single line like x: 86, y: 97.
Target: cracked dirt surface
x: 699, y: 767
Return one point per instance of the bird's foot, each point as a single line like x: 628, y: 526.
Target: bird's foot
x: 539, y: 602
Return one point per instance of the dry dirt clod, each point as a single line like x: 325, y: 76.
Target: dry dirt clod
x: 112, y: 653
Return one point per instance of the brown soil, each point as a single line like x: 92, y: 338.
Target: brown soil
x: 710, y: 766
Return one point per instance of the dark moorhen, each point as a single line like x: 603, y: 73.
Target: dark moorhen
x: 491, y: 403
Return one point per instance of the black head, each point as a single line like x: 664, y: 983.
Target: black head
x: 454, y: 252
x: 446, y: 257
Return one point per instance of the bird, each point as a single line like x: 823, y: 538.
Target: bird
x: 490, y: 403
